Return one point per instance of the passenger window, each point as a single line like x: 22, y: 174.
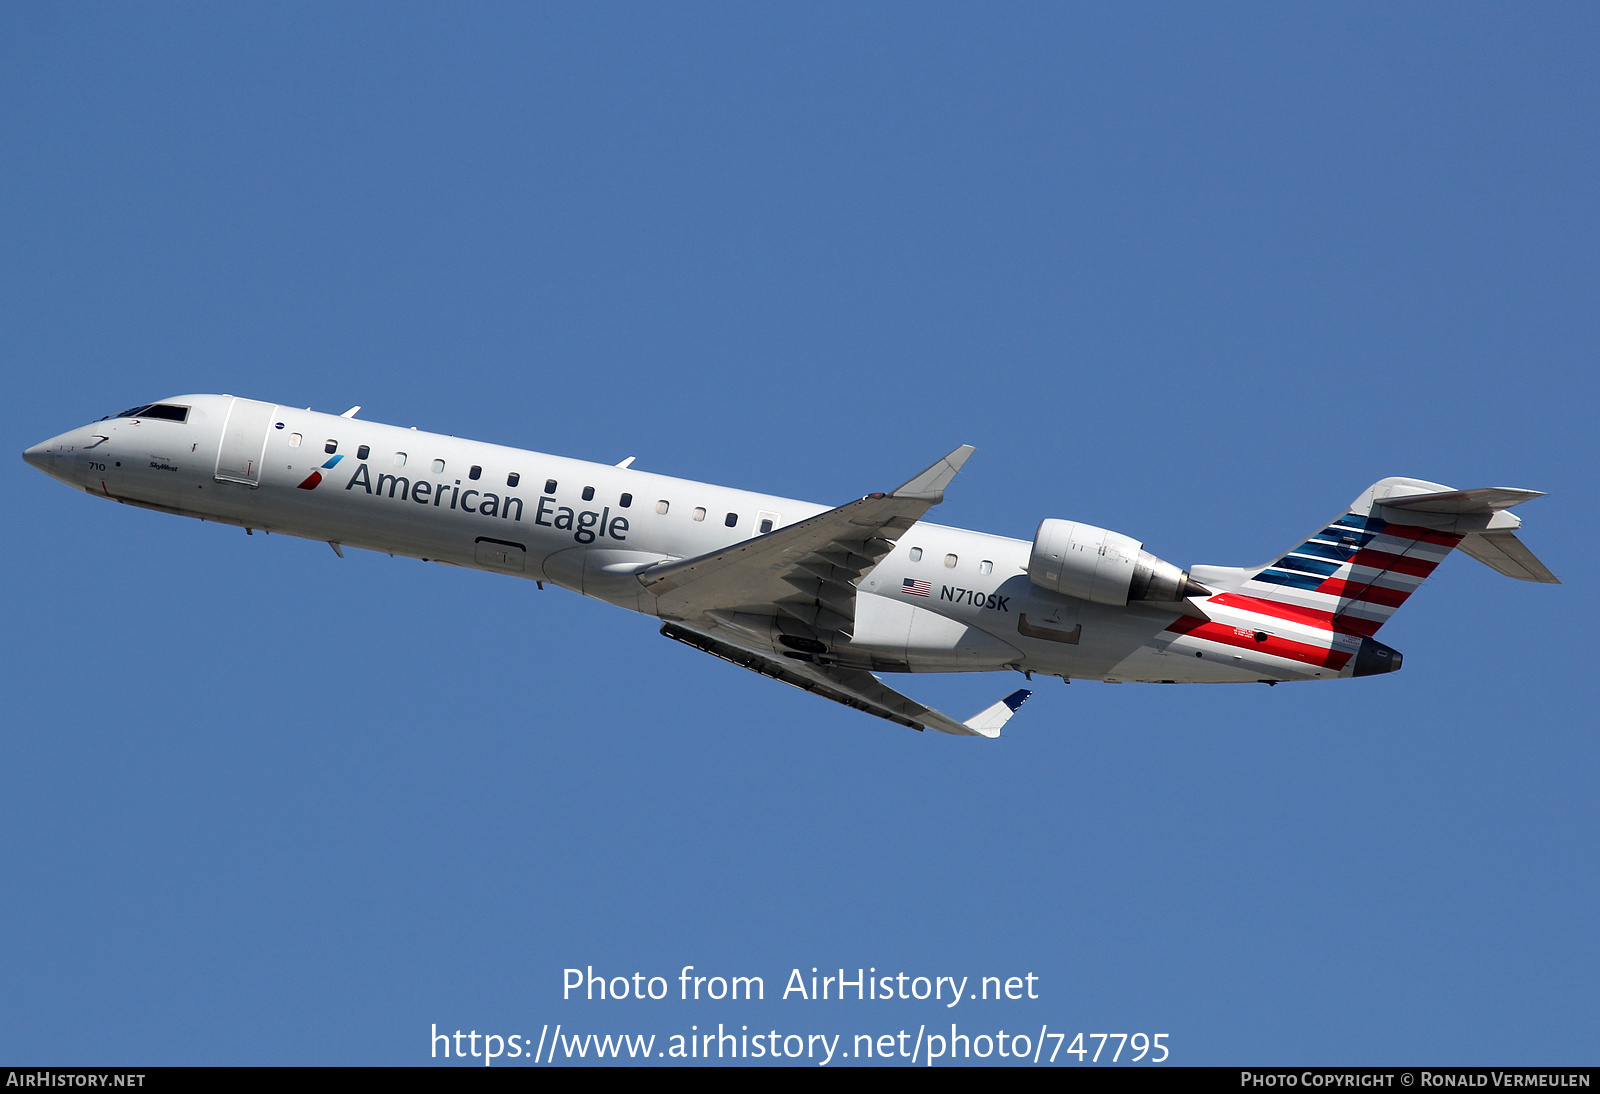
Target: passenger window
x: 475, y: 473
x: 549, y: 486
x: 331, y: 447
x: 625, y: 501
x: 916, y: 554
x: 295, y: 439
x: 950, y: 561
x: 399, y: 459
x: 438, y: 467
x: 766, y: 526
x: 513, y: 478
x: 699, y: 512
x: 588, y: 493
x: 986, y: 567
x: 363, y: 452
x: 662, y: 506
x: 731, y: 519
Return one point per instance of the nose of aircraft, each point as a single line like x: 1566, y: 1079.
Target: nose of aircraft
x: 56, y: 457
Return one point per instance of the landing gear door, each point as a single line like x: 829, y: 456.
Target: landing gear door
x: 244, y: 442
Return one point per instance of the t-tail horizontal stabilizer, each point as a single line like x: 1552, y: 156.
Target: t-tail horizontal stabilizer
x: 1489, y: 531
x: 1504, y: 552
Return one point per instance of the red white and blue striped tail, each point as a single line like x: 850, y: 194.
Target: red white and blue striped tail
x: 1350, y: 576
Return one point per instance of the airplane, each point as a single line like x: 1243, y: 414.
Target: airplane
x: 821, y: 598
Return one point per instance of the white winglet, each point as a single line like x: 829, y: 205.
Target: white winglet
x: 988, y: 722
x: 930, y: 484
x: 351, y: 413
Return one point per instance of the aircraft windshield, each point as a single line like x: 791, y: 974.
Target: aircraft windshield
x: 164, y: 411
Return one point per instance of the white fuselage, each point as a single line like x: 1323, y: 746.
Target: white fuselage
x: 589, y: 527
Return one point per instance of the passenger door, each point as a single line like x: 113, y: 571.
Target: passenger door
x: 244, y: 442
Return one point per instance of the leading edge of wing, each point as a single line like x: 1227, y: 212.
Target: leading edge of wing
x: 854, y: 688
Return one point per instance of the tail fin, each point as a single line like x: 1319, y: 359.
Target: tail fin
x: 1354, y: 573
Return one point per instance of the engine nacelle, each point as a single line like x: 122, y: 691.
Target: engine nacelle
x: 1106, y: 567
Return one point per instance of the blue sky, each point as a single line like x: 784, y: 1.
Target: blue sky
x: 1196, y: 274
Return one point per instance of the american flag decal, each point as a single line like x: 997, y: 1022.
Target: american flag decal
x: 912, y: 587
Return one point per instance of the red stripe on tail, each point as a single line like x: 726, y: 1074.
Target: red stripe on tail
x: 1365, y: 593
x: 1243, y: 638
x: 1314, y: 617
x: 1400, y: 564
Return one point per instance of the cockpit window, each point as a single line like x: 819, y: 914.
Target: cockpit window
x: 164, y: 411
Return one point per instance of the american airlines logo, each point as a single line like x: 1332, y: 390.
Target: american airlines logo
x: 316, y: 476
x: 586, y: 526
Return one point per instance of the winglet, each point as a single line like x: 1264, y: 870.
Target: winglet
x: 988, y: 722
x: 929, y: 486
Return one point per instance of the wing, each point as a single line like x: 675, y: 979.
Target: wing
x: 854, y: 688
x: 808, y: 570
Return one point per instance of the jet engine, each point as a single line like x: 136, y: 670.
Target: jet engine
x: 1106, y: 567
